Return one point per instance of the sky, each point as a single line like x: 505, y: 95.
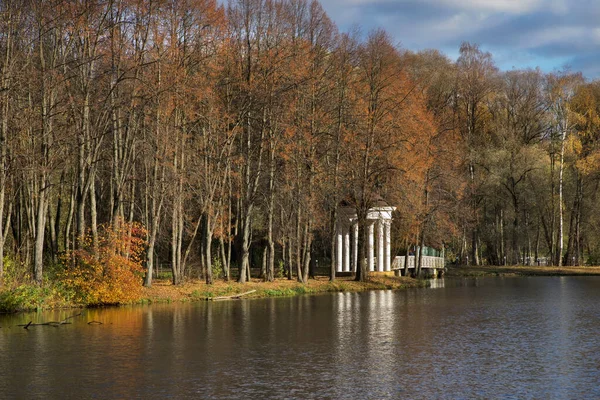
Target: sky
x: 549, y: 34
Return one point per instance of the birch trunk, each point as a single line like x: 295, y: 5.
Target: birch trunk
x: 560, y: 195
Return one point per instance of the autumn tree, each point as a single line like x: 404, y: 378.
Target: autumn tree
x: 344, y: 62
x: 44, y: 108
x: 514, y: 153
x: 583, y: 149
x: 475, y: 82
x: 375, y: 139
x: 560, y: 90
x: 11, y: 24
x: 430, y: 184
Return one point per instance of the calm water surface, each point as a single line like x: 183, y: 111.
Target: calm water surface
x: 487, y: 338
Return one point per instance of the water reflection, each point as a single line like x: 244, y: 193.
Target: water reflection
x: 439, y: 283
x: 476, y: 338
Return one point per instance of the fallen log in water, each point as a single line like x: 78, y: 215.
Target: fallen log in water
x: 72, y: 316
x: 50, y: 323
x: 233, y: 296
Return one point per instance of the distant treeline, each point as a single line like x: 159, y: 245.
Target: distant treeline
x: 233, y: 134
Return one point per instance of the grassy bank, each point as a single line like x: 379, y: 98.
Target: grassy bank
x: 164, y: 291
x: 31, y: 297
x: 521, y: 270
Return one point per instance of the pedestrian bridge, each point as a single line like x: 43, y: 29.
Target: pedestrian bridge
x: 433, y: 264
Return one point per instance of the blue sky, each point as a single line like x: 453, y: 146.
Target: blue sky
x: 549, y: 34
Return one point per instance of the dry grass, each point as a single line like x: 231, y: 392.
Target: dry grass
x: 32, y: 297
x: 165, y: 291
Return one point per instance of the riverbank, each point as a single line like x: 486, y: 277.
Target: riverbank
x: 34, y: 298
x: 164, y: 291
x: 520, y: 270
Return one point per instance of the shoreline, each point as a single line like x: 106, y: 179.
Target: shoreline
x: 519, y: 270
x: 28, y: 298
x: 163, y: 291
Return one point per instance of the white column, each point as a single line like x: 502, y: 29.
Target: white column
x: 380, y: 245
x: 388, y: 246
x: 370, y: 251
x: 338, y: 242
x: 356, y: 263
x: 416, y: 257
x: 346, y: 248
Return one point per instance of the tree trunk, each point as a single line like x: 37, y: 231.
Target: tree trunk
x: 332, y: 265
x: 537, y: 244
x: 208, y: 233
x: 417, y: 263
x: 475, y: 231
x: 52, y: 234
x: 419, y: 255
x: 223, y: 258
x: 38, y: 257
x: 406, y: 256
x: 245, y: 237
x: 94, y: 215
x: 515, y: 236
x: 265, y: 256
x: 580, y: 205
x: 3, y: 168
x: 5, y: 81
x: 154, y: 215
x: 289, y: 260
x: 363, y: 233
x: 464, y: 258
x: 307, y: 252
x: 150, y: 259
x: 560, y: 197
x: 271, y: 210
x: 298, y: 246
x: 176, y: 242
x: 550, y: 234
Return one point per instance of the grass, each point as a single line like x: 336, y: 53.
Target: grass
x: 197, y: 290
x: 30, y: 297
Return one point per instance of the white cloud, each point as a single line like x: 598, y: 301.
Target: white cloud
x: 461, y: 23
x: 507, y: 6
x: 555, y: 34
x: 542, y: 32
x: 575, y: 37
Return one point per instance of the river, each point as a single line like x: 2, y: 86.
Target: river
x: 512, y: 337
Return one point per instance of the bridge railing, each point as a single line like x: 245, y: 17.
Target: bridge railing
x: 428, y: 262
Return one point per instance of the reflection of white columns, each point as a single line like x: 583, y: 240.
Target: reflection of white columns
x: 346, y: 248
x: 355, y: 265
x: 388, y: 249
x: 380, y: 245
x: 338, y: 241
x: 370, y: 251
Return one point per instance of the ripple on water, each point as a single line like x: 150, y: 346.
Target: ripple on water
x: 483, y: 338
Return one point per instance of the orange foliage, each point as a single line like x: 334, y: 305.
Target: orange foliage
x: 112, y: 273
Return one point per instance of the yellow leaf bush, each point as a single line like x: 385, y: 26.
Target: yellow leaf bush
x: 109, y: 272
